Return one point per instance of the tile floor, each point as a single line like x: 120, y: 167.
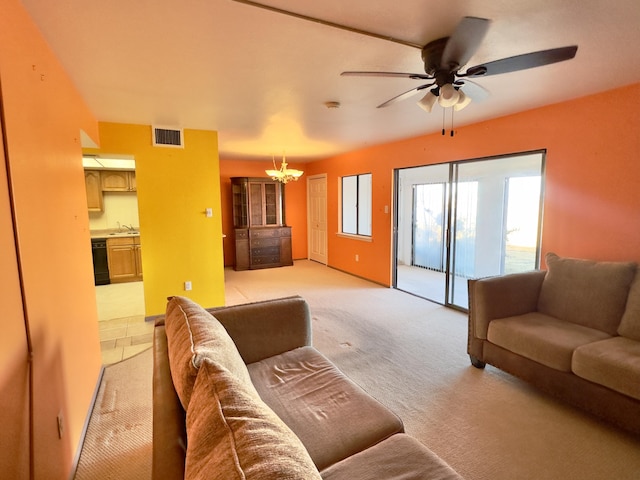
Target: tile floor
x: 123, y: 330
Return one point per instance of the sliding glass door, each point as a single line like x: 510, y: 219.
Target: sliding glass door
x: 466, y: 220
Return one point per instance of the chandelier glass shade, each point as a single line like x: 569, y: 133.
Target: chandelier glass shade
x: 283, y: 174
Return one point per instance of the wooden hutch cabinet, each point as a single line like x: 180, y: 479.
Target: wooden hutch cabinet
x: 262, y: 239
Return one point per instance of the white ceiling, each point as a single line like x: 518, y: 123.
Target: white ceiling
x: 261, y: 78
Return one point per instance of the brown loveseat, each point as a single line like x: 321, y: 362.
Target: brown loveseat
x: 243, y: 394
x: 572, y: 331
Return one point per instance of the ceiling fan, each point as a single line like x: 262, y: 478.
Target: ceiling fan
x: 444, y: 59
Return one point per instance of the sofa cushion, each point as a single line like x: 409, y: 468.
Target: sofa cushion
x: 586, y: 292
x: 192, y: 335
x: 400, y: 457
x: 234, y: 435
x: 630, y: 323
x: 333, y: 417
x: 541, y: 338
x: 614, y: 363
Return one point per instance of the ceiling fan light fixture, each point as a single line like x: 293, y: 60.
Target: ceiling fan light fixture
x: 449, y: 96
x: 463, y: 101
x: 428, y: 101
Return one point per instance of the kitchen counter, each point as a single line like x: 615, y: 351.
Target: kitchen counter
x: 114, y: 233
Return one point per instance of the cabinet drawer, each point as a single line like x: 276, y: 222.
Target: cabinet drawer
x: 285, y: 232
x: 132, y: 240
x: 264, y: 242
x: 265, y: 259
x: 258, y: 252
x: 264, y: 232
x: 241, y: 234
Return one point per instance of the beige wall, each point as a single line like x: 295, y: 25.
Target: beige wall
x: 118, y: 207
x: 48, y: 279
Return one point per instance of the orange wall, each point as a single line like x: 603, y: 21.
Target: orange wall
x: 295, y: 204
x: 592, y: 204
x: 43, y: 117
x: 14, y: 385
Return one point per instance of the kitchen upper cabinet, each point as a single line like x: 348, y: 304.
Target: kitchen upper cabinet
x: 93, y: 185
x: 124, y: 258
x: 261, y: 238
x: 118, y: 180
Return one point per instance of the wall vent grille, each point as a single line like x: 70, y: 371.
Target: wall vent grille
x: 167, y: 137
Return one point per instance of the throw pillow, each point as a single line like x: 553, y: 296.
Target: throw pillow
x: 234, y: 435
x: 630, y: 324
x: 193, y: 334
x: 586, y: 292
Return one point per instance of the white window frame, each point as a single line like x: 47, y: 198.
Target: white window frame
x: 360, y: 210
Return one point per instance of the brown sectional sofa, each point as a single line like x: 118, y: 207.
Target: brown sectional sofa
x: 572, y: 331
x: 239, y: 392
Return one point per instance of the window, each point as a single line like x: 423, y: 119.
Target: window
x: 356, y: 205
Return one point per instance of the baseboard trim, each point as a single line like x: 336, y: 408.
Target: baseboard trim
x: 92, y: 406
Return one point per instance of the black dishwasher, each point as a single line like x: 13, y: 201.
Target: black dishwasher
x: 100, y: 264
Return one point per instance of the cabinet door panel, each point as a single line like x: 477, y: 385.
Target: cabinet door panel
x: 256, y: 205
x: 124, y: 259
x: 118, y: 181
x: 285, y: 251
x: 122, y: 263
x: 93, y: 186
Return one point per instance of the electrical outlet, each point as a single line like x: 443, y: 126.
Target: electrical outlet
x: 357, y: 257
x: 187, y: 285
x: 60, y: 424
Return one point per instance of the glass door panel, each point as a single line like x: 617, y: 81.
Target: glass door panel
x: 466, y: 220
x: 495, y: 206
x: 420, y: 231
x: 429, y: 205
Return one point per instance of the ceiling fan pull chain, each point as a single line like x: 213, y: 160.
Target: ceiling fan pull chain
x: 452, y: 110
x: 443, y: 121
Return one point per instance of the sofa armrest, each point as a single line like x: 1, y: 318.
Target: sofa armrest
x: 266, y: 328
x: 502, y: 296
x: 169, y: 431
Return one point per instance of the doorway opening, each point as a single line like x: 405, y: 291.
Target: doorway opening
x: 114, y: 226
x: 465, y: 220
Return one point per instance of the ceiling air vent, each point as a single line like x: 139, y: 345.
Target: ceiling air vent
x: 167, y: 137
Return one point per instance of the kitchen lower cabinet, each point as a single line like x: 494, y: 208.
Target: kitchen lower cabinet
x: 263, y: 247
x: 124, y: 258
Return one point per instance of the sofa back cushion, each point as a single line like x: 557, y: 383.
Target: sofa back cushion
x: 630, y: 324
x: 193, y: 334
x: 234, y: 435
x: 586, y: 292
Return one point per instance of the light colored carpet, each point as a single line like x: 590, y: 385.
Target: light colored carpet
x: 117, y: 444
x: 411, y: 355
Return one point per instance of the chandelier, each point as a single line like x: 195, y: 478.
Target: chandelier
x: 283, y: 174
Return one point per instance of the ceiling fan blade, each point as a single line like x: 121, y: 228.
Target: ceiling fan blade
x: 413, y: 76
x: 329, y: 24
x: 523, y: 62
x: 464, y: 42
x: 407, y: 94
x: 473, y: 90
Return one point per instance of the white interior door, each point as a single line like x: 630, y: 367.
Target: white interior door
x: 317, y: 226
